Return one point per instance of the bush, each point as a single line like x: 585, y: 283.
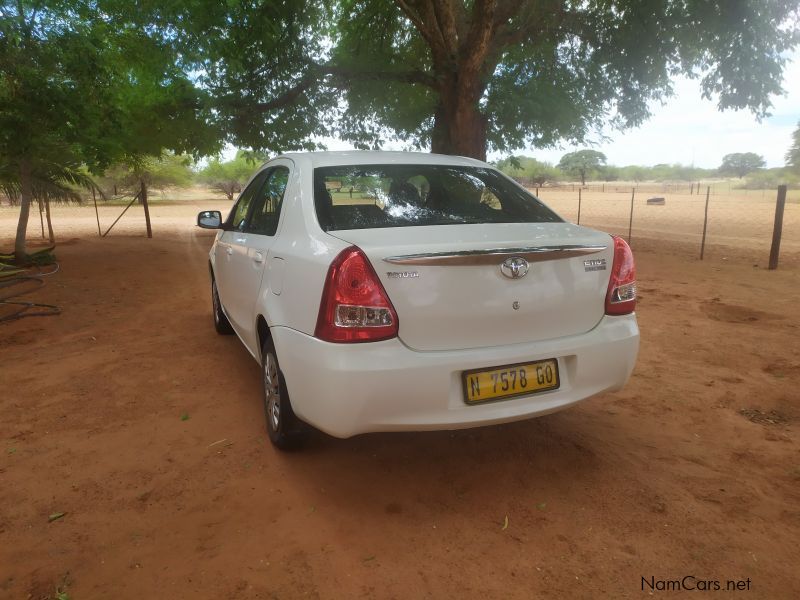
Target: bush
x: 157, y: 172
x: 229, y: 177
x: 529, y: 170
x: 769, y: 179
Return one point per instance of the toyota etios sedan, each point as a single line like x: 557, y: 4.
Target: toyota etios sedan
x: 386, y: 291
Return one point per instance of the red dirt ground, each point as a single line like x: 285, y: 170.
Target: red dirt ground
x: 693, y: 469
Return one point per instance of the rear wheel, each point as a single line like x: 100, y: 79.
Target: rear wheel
x: 221, y: 323
x: 283, y: 427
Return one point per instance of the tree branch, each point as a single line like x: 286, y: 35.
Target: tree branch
x: 530, y: 24
x: 415, y: 76
x: 476, y: 45
x: 416, y: 21
x: 446, y: 21
x: 507, y: 9
x: 285, y: 99
x: 343, y: 74
x: 424, y: 19
x: 21, y: 17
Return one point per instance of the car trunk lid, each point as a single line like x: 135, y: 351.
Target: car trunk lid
x: 451, y: 290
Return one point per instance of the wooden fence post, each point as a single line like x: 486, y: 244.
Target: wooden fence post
x: 705, y: 225
x: 630, y: 223
x: 143, y: 197
x: 96, y: 214
x: 579, y: 206
x: 41, y: 216
x: 49, y: 220
x: 777, y: 229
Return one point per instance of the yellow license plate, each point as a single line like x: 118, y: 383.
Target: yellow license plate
x: 482, y: 385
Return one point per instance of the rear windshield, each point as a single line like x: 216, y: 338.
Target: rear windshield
x: 372, y: 196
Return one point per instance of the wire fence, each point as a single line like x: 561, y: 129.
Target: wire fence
x: 724, y: 187
x: 739, y: 226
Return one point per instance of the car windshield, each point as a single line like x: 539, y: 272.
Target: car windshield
x: 372, y: 196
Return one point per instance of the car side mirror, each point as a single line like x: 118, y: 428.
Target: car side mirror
x: 209, y: 219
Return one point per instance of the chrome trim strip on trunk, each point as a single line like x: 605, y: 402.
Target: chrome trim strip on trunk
x: 491, y: 256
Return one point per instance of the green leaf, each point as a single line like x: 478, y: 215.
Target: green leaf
x: 55, y: 516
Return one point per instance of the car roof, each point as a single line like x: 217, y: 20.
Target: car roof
x: 376, y: 157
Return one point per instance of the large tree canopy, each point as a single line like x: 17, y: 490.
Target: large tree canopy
x: 582, y: 162
x: 115, y: 78
x: 741, y: 163
x: 79, y: 88
x: 229, y: 177
x: 256, y: 60
x: 464, y: 76
x: 57, y: 107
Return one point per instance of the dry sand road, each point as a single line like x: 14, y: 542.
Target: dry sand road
x: 693, y: 469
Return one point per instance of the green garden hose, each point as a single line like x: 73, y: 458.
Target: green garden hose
x: 13, y: 280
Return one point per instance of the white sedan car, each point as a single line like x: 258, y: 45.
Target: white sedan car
x: 387, y: 291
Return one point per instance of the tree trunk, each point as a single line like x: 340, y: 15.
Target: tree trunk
x: 463, y: 42
x: 26, y: 194
x: 459, y: 127
x: 41, y: 216
x: 143, y: 198
x: 49, y: 221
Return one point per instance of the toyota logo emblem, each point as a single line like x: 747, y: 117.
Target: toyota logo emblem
x: 514, y: 267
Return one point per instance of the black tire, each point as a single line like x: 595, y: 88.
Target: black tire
x: 285, y: 430
x: 221, y: 323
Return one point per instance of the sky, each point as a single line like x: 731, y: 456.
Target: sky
x: 689, y: 129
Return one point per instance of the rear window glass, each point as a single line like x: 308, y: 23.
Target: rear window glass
x: 372, y: 196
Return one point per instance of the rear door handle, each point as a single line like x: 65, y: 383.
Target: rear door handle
x: 258, y: 257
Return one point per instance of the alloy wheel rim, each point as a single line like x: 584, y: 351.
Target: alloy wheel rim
x: 272, y: 392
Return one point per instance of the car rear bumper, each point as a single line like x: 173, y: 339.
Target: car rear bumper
x: 347, y: 389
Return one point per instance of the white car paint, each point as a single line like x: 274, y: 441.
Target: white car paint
x: 443, y: 299
x: 451, y: 319
x: 346, y: 389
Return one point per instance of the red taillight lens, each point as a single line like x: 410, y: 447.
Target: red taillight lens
x: 621, y: 296
x: 354, y: 306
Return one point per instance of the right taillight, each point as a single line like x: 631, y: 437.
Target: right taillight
x: 621, y: 296
x: 354, y: 306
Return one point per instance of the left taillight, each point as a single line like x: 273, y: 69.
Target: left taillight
x: 354, y: 305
